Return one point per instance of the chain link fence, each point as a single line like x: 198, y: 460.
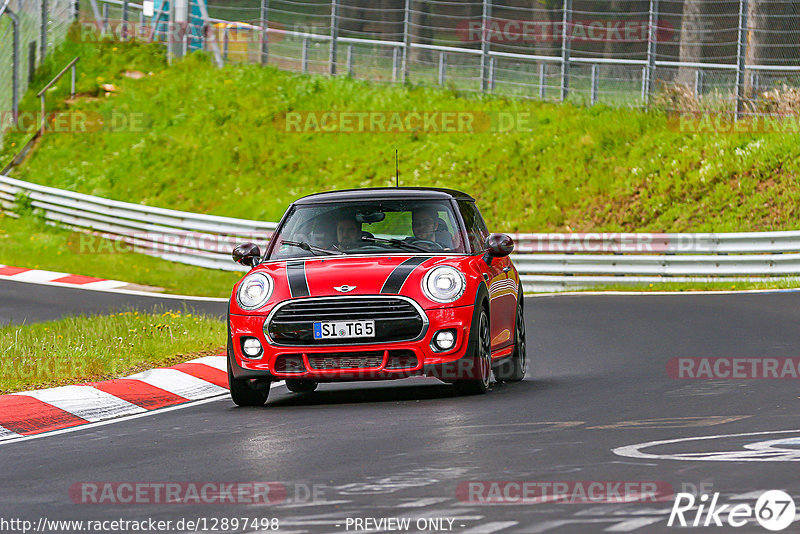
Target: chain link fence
x: 717, y: 55
x: 29, y: 29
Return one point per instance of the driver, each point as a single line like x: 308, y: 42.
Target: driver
x: 424, y: 224
x: 348, y: 233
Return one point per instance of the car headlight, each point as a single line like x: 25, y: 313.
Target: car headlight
x: 444, y: 284
x: 254, y: 291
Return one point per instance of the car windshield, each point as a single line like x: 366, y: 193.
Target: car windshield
x: 369, y: 227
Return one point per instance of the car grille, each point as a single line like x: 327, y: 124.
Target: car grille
x: 326, y: 361
x: 344, y: 360
x: 396, y: 319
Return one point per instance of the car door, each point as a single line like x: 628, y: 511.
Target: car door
x: 500, y: 280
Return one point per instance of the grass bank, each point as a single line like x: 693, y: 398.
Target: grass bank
x: 215, y: 141
x: 91, y: 348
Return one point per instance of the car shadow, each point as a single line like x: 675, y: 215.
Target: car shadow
x: 360, y: 394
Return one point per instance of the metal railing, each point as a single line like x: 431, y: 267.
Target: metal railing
x: 207, y: 240
x: 43, y: 93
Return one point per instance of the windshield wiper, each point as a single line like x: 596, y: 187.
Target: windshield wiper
x: 311, y: 248
x: 396, y: 242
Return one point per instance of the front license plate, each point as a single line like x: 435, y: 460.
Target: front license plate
x: 344, y: 329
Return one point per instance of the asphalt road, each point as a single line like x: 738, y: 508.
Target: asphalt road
x: 23, y: 303
x: 403, y: 449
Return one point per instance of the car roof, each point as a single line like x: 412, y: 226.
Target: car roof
x: 385, y: 193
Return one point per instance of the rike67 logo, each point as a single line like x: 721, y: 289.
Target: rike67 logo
x: 774, y: 510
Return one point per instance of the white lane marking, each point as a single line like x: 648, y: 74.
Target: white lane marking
x: 179, y: 383
x: 122, y: 419
x: 103, y: 284
x: 7, y: 434
x: 632, y: 524
x: 430, y: 501
x: 85, y: 402
x: 488, y: 528
x: 217, y: 362
x: 744, y: 455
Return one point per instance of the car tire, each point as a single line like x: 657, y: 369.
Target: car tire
x: 513, y: 369
x: 481, y: 373
x: 245, y: 392
x: 300, y: 386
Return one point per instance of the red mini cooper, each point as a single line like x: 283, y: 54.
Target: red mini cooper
x: 376, y: 284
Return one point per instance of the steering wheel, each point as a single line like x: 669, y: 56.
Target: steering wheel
x: 432, y: 245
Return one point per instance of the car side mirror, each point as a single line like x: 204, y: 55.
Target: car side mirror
x: 247, y: 254
x: 497, y: 246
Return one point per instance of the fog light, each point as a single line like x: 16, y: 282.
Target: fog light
x: 251, y: 347
x: 444, y: 340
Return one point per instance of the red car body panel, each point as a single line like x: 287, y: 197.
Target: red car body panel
x: 368, y: 274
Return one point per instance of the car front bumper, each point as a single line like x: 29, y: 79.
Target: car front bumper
x: 371, y: 361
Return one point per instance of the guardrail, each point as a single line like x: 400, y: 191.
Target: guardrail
x: 179, y: 236
x: 546, y: 262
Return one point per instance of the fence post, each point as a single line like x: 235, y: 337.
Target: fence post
x: 304, y: 53
x: 105, y: 17
x: 73, y: 78
x: 651, y: 48
x: 698, y: 84
x: 595, y: 81
x: 406, y: 40
x: 644, y: 84
x: 350, y: 60
x: 754, y: 81
x: 566, y: 21
x: 14, y: 66
x: 741, y: 55
x: 541, y: 80
x: 225, y: 40
x: 43, y: 33
x: 75, y: 9
x: 485, y: 15
x: 395, y: 53
x: 492, y: 61
x: 264, y: 32
x: 125, y: 12
x: 442, y: 67
x: 334, y: 34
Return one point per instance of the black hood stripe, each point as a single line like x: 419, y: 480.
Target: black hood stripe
x: 296, y: 275
x: 400, y: 274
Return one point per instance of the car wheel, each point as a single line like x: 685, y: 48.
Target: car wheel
x: 513, y: 369
x: 482, y: 361
x: 245, y: 392
x: 300, y: 386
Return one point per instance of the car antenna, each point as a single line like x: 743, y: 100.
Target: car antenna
x: 396, y: 169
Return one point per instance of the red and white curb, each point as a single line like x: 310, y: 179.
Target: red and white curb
x: 35, y: 412
x: 36, y: 276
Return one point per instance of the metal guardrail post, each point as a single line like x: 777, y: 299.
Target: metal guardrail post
x: 42, y: 94
x: 43, y: 32
x: 652, y: 36
x: 304, y: 52
x: 406, y: 40
x: 486, y: 14
x: 595, y: 82
x: 541, y: 80
x: 264, y: 32
x: 566, y: 44
x: 350, y: 60
x: 741, y: 56
x: 442, y: 67
x: 73, y: 78
x: 334, y: 34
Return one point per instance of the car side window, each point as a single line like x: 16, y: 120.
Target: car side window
x: 476, y: 227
